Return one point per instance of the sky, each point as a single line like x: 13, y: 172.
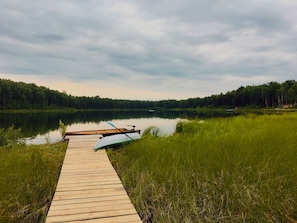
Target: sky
x: 148, y: 49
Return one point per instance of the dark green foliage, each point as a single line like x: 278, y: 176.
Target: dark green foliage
x: 10, y: 137
x: 19, y: 95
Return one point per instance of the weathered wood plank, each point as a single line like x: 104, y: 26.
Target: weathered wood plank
x: 91, y: 203
x: 107, y: 180
x: 89, y: 189
x: 117, y: 219
x: 91, y: 209
x: 90, y: 215
x: 96, y: 181
x: 60, y: 196
x: 98, y: 200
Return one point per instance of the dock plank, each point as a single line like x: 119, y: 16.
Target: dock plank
x: 89, y: 189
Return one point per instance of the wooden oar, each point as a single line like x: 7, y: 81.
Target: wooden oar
x: 119, y: 130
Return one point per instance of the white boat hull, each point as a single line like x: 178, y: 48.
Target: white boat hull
x: 116, y: 139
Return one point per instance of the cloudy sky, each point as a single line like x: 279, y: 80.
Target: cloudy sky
x: 148, y: 49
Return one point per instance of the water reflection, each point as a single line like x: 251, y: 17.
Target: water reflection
x: 44, y: 126
x: 166, y: 126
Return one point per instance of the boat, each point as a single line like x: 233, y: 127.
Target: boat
x: 109, y: 137
x: 115, y: 139
x: 103, y: 132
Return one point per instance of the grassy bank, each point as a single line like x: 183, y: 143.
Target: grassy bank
x: 28, y: 177
x: 240, y: 169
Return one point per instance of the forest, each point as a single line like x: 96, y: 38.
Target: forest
x: 20, y: 95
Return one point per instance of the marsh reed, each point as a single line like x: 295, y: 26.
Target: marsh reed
x: 28, y: 177
x: 239, y: 169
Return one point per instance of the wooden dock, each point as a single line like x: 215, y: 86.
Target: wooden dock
x: 89, y: 189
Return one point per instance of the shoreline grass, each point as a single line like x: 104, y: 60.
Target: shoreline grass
x: 28, y: 178
x: 240, y: 169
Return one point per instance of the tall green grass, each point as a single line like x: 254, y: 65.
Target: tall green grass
x: 10, y: 137
x: 240, y: 169
x: 28, y: 177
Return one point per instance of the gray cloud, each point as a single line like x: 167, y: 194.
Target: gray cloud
x: 152, y: 44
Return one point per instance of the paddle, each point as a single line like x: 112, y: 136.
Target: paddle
x: 110, y: 123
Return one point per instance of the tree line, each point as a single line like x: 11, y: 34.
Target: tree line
x: 20, y: 95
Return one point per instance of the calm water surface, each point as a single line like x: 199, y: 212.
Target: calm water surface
x: 167, y: 127
x: 39, y: 128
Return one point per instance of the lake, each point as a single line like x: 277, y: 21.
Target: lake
x: 42, y: 127
x: 167, y: 127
